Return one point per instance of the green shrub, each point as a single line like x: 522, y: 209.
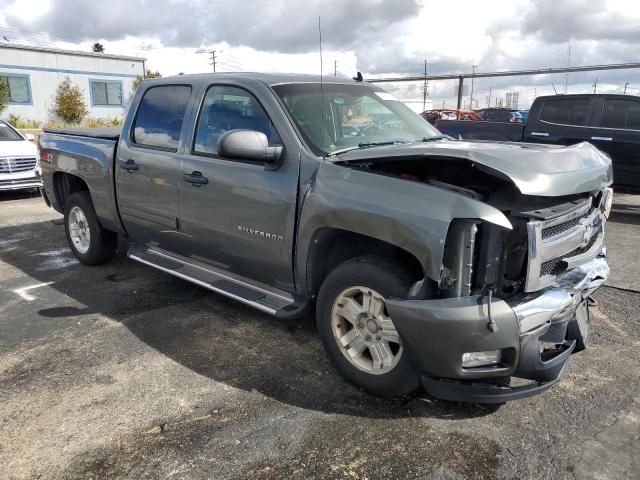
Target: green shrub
x: 115, y: 122
x: 18, y: 122
x: 94, y: 123
x: 4, y: 94
x: 54, y: 123
x: 138, y: 80
x: 69, y: 104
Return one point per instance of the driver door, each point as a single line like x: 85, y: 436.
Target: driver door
x: 241, y: 218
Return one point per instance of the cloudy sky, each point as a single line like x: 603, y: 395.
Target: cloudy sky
x: 379, y: 38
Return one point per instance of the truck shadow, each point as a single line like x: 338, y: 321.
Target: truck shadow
x: 207, y: 333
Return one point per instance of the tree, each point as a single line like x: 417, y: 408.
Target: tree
x: 138, y: 80
x: 4, y: 94
x: 69, y: 104
x: 97, y: 48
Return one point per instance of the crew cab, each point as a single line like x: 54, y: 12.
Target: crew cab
x: 429, y: 261
x: 609, y: 122
x: 19, y: 167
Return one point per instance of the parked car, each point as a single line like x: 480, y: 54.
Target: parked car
x: 432, y: 116
x: 609, y: 122
x: 500, y: 115
x: 452, y: 264
x: 19, y: 167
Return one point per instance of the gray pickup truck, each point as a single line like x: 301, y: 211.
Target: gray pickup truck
x: 429, y: 261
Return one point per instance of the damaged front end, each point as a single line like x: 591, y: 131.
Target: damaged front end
x: 513, y: 303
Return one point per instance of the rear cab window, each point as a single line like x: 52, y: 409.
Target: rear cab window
x: 567, y: 111
x: 160, y: 116
x: 621, y: 114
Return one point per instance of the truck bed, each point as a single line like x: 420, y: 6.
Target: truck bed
x: 109, y: 133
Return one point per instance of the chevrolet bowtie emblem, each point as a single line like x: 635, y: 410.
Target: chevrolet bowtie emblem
x: 588, y: 233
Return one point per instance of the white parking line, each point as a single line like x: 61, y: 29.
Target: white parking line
x: 22, y: 292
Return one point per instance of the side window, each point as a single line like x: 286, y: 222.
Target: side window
x: 106, y: 93
x: 229, y: 108
x: 160, y: 115
x: 18, y: 86
x: 569, y: 111
x: 623, y: 114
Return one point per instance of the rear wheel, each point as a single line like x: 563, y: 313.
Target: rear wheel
x: 356, y: 329
x: 89, y: 242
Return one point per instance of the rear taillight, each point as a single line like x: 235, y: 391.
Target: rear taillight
x: 45, y: 156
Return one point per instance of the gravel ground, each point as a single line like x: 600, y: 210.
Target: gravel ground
x: 122, y: 371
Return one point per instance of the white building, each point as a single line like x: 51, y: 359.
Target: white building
x: 34, y: 74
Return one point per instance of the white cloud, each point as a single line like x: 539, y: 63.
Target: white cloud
x: 375, y: 36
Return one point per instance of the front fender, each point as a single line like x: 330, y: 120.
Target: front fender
x: 410, y: 215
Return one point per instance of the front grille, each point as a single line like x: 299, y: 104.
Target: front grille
x: 558, y: 244
x: 27, y: 182
x: 17, y: 164
x: 557, y: 265
x: 560, y: 228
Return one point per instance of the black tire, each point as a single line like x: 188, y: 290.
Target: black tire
x: 102, y: 243
x: 389, y: 279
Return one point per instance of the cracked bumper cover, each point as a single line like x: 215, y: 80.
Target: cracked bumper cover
x: 439, y: 332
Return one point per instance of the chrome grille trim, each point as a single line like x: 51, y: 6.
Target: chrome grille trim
x: 17, y: 164
x: 562, y: 243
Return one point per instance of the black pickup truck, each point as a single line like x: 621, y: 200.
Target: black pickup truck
x: 609, y: 122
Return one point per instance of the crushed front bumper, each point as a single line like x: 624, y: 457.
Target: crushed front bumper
x: 536, y: 333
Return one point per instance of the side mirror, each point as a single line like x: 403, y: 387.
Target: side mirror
x: 248, y: 145
x: 30, y: 136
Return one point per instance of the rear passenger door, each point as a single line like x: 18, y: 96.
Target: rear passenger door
x: 147, y: 169
x: 618, y: 134
x: 561, y: 121
x: 243, y: 218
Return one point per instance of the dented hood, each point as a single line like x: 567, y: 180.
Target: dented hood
x: 546, y: 170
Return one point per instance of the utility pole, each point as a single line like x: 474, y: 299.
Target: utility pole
x: 335, y: 68
x: 213, y: 60
x: 625, y: 88
x: 489, y: 101
x: 473, y: 77
x: 595, y: 86
x: 425, y: 88
x: 566, y: 78
x: 460, y: 90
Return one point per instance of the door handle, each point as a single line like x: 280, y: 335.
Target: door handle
x: 195, y: 178
x: 129, y: 165
x: 603, y: 139
x: 539, y: 134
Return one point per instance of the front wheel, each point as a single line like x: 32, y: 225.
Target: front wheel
x: 89, y: 242
x: 356, y: 329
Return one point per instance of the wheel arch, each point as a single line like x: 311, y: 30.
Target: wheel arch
x: 64, y: 184
x: 331, y: 246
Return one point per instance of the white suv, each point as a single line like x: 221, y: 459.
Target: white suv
x: 19, y: 166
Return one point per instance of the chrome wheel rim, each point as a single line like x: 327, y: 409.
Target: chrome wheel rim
x: 364, y: 332
x: 79, y: 230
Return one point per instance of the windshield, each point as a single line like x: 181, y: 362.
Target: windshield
x: 7, y: 133
x: 345, y: 116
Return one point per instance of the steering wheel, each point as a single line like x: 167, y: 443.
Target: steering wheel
x: 361, y: 132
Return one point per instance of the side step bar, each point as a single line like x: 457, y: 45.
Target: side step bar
x: 266, y: 299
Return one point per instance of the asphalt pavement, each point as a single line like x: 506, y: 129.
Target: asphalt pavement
x: 120, y: 371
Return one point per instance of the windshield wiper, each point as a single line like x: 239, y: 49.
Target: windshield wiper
x: 366, y: 145
x: 378, y: 144
x: 437, y: 137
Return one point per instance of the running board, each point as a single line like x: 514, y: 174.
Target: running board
x: 266, y: 299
